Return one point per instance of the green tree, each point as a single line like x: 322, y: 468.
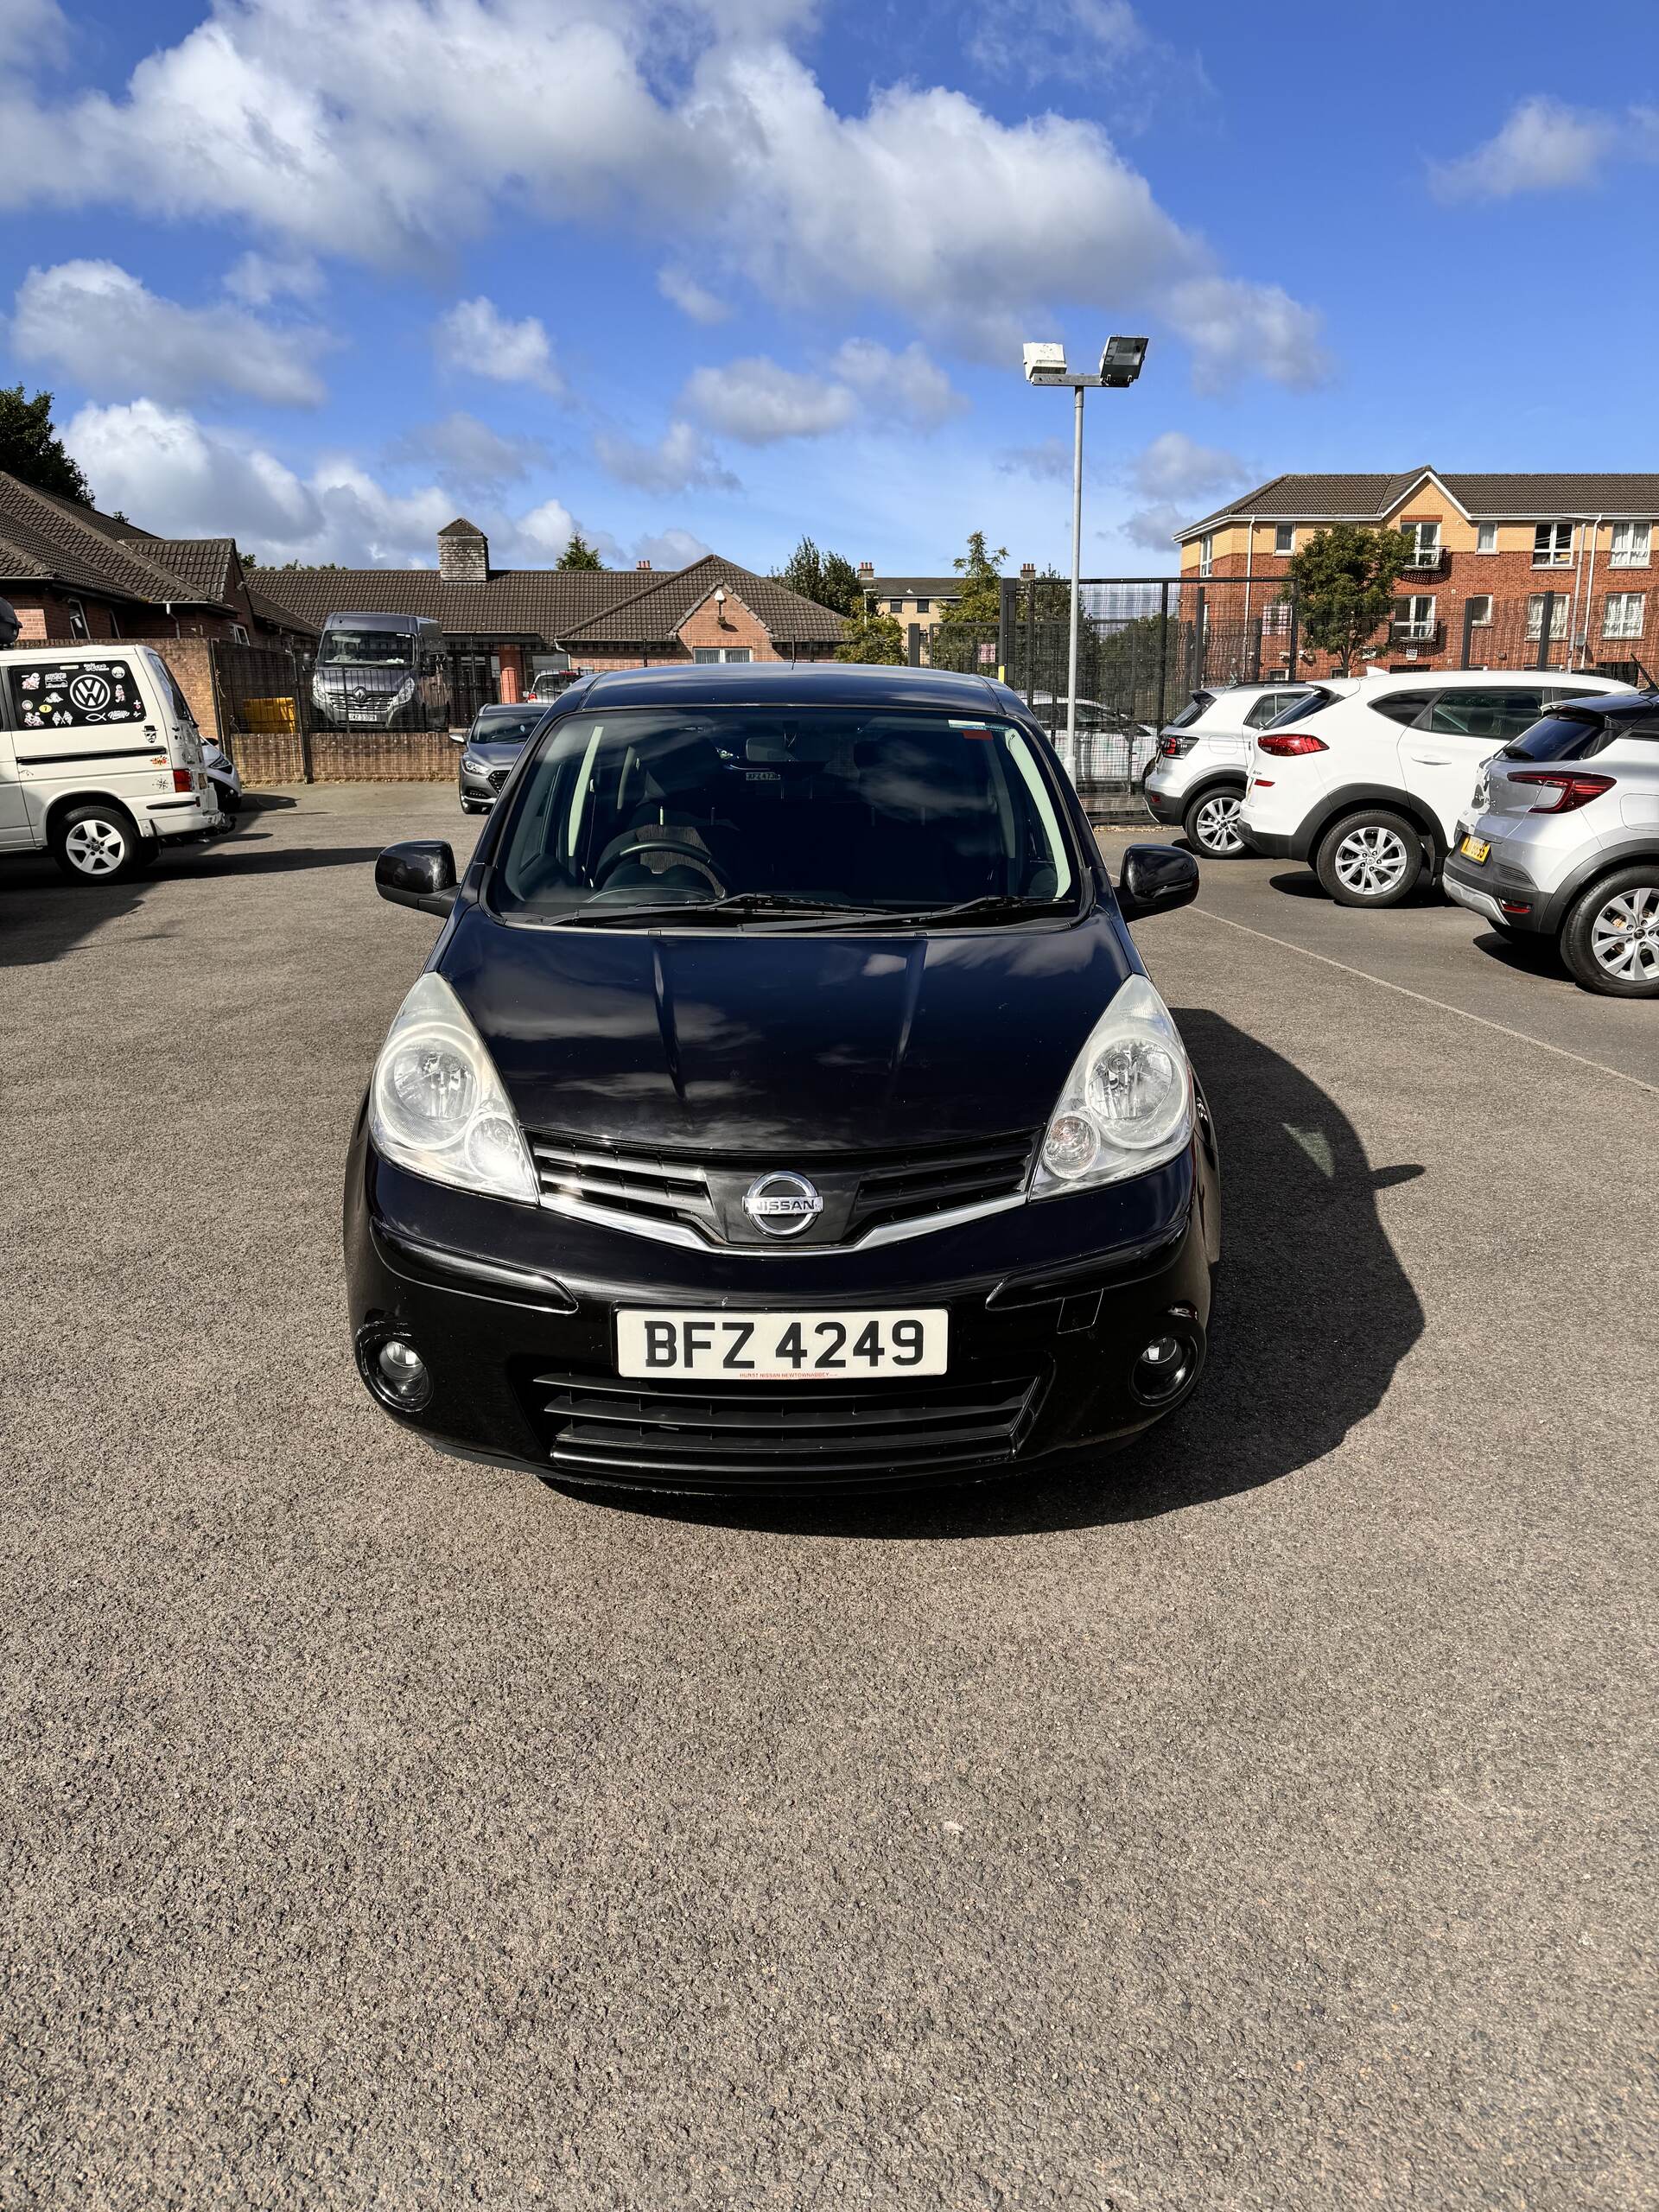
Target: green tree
x: 981, y: 598
x: 1344, y: 580
x: 876, y: 640
x: 31, y: 450
x: 578, y: 554
x: 827, y: 578
x: 276, y: 567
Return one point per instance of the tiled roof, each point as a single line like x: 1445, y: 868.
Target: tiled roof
x: 655, y: 613
x: 460, y: 527
x: 1368, y: 498
x: 51, y: 541
x: 267, y: 609
x: 208, y: 564
x: 912, y: 587
x: 588, y: 606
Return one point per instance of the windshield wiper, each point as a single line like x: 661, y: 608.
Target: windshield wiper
x: 996, y: 906
x: 741, y: 905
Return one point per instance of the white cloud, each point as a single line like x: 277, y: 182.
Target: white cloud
x: 906, y: 384
x: 671, y: 548
x: 1175, y: 466
x: 103, y: 329
x: 689, y: 296
x: 1049, y: 460
x: 1055, y: 38
x: 1543, y: 146
x: 476, y: 337
x: 258, y: 278
x: 1156, y: 526
x: 680, y: 461
x: 396, y: 132
x: 466, y: 453
x: 758, y: 402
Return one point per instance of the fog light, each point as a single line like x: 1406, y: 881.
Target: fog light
x: 1164, y: 1369
x: 394, y: 1371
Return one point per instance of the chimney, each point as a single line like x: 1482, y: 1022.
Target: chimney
x: 463, y: 553
x: 865, y: 568
x: 642, y: 564
x: 1027, y: 568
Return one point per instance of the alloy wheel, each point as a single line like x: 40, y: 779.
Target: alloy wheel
x: 1215, y: 826
x: 1371, y: 861
x: 1624, y: 935
x: 96, y: 847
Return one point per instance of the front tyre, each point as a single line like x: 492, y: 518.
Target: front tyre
x: 97, y: 842
x: 1371, y: 858
x: 1212, y: 827
x: 1609, y: 940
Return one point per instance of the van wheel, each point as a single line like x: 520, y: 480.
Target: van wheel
x: 96, y: 843
x: 1372, y: 859
x: 1211, y: 825
x: 1610, y: 938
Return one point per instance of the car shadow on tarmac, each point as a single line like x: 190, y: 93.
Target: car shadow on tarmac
x: 1312, y: 1314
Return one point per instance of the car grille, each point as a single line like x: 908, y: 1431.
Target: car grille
x: 897, y: 1185
x: 742, y: 1435
x: 498, y: 777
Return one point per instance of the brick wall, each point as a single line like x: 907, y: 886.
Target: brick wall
x: 704, y: 625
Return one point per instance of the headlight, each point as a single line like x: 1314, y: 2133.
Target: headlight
x: 473, y: 765
x: 1127, y: 1102
x: 405, y: 692
x: 436, y: 1104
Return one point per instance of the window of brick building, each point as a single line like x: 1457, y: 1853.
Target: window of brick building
x: 1622, y: 615
x: 895, y: 606
x: 721, y: 653
x: 1486, y: 538
x: 1425, y: 544
x: 1284, y: 537
x: 1552, y: 545
x: 1629, y: 548
x: 1558, y: 615
x: 1480, y: 609
x: 1206, y: 555
x: 924, y: 607
x: 77, y: 614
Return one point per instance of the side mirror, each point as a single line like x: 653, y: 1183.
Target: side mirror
x: 1156, y: 878
x: 420, y: 874
x: 458, y: 736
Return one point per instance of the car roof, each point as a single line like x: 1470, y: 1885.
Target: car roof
x: 514, y: 707
x: 1634, y: 703
x: 800, y: 682
x: 1457, y: 679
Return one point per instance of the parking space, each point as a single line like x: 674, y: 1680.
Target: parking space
x: 1261, y: 1821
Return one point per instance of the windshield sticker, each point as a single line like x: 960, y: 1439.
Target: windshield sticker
x: 79, y: 693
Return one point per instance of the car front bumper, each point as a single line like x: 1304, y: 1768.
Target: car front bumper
x: 1051, y: 1304
x: 477, y: 788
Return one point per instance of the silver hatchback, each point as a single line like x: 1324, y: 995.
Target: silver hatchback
x: 1561, y: 839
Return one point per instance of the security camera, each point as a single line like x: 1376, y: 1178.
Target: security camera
x: 1119, y: 364
x: 1044, y: 361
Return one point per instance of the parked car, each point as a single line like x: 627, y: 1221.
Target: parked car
x: 1561, y: 839
x: 101, y: 759
x: 1114, y: 746
x: 489, y: 750
x: 1366, y: 779
x: 381, y: 671
x: 224, y: 775
x: 1198, y: 773
x: 786, y: 1104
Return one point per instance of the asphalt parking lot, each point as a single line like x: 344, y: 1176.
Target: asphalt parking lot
x: 1262, y: 1821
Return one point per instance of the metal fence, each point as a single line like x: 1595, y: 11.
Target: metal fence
x: 273, y: 725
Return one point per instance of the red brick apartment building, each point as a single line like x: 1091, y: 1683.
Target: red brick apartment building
x: 1497, y: 561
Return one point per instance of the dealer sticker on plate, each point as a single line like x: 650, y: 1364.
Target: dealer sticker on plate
x: 1474, y: 849
x: 728, y: 1347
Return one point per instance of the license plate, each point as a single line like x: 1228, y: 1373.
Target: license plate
x: 1474, y: 849
x: 744, y: 1347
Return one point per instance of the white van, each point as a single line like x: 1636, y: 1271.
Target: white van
x: 101, y: 759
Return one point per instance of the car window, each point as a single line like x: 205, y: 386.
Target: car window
x: 1190, y: 713
x: 169, y: 684
x: 1578, y: 733
x: 843, y: 805
x: 1496, y: 714
x: 1317, y: 698
x: 1405, y: 707
x: 1267, y: 709
x: 76, y: 694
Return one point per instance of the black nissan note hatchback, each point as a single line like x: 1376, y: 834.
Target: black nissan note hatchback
x: 784, y: 1105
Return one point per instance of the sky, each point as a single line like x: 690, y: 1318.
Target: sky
x: 695, y: 274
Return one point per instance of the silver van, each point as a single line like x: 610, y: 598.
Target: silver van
x: 381, y: 671
x: 100, y: 758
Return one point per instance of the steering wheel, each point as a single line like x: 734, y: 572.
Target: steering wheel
x: 686, y: 854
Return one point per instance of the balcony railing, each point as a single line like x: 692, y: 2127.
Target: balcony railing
x: 1430, y: 561
x: 1424, y: 635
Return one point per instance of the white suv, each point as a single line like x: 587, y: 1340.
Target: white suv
x: 1367, y: 778
x: 1203, y: 762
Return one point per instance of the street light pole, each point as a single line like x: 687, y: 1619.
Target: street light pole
x: 1120, y: 364
x: 1072, y: 761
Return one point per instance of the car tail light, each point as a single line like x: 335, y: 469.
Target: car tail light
x: 1572, y: 792
x: 1293, y: 742
x: 183, y: 779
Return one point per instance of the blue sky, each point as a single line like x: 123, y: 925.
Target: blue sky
x: 695, y: 273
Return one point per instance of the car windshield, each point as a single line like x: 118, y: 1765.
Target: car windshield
x: 365, y: 648
x: 505, y: 729
x: 779, y: 810
x: 1569, y: 736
